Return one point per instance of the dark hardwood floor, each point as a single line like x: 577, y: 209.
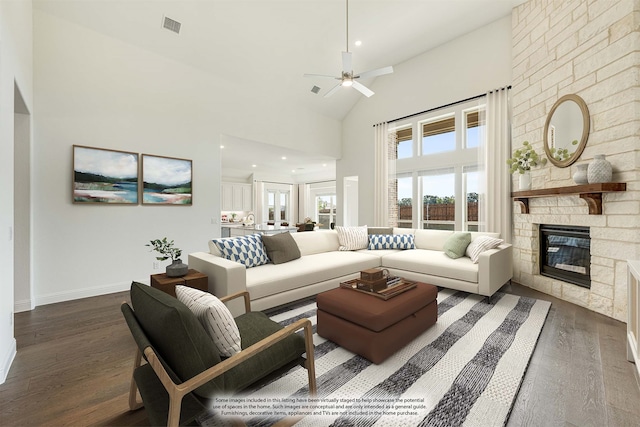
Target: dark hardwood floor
x: 74, y: 363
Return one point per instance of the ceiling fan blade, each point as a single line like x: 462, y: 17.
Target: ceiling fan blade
x: 374, y: 73
x: 322, y: 76
x: 346, y: 62
x: 333, y: 90
x: 362, y: 89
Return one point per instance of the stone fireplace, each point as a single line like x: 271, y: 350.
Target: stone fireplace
x: 583, y: 48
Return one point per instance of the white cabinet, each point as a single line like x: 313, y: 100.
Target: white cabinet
x: 237, y: 197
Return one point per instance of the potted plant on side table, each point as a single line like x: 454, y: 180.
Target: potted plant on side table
x: 167, y: 251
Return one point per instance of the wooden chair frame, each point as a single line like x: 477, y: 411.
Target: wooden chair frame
x: 178, y: 391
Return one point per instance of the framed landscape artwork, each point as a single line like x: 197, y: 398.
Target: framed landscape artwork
x: 166, y: 180
x: 104, y: 176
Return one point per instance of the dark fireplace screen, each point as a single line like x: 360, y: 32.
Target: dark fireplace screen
x: 565, y: 254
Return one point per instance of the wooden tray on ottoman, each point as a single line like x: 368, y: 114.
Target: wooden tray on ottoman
x: 396, y: 289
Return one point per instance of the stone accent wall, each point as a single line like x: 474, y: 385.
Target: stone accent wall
x: 590, y: 48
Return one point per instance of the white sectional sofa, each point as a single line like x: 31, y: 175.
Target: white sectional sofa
x: 322, y: 266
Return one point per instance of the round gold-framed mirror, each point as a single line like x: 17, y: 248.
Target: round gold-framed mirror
x: 566, y: 130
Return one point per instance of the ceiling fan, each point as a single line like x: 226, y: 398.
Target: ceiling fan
x: 348, y: 78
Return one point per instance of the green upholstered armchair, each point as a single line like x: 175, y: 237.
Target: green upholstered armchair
x: 184, y: 369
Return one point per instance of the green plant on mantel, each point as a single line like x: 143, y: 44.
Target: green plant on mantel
x: 165, y: 248
x: 524, y: 159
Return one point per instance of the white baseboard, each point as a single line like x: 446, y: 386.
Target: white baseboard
x: 85, y: 293
x: 7, y: 361
x: 23, y: 305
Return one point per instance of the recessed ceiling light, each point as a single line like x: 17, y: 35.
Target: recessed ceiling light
x: 293, y: 171
x: 324, y: 165
x: 222, y: 146
x: 253, y: 166
x: 284, y: 158
x: 358, y: 42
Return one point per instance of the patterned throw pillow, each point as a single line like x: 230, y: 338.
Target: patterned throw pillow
x: 391, y: 241
x: 352, y: 238
x: 456, y: 245
x: 214, y: 316
x: 481, y: 244
x: 247, y: 250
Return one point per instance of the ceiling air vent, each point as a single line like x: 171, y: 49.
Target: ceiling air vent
x: 315, y: 89
x: 171, y: 25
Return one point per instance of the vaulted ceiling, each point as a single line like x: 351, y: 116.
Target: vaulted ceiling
x: 269, y: 44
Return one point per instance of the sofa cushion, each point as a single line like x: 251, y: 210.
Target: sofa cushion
x: 380, y: 230
x: 481, y: 244
x: 433, y: 263
x: 177, y: 335
x: 281, y: 248
x: 317, y: 242
x: 271, y: 279
x: 398, y: 230
x: 391, y: 241
x: 378, y: 253
x: 254, y: 326
x: 456, y: 244
x: 352, y: 238
x: 214, y: 316
x: 431, y: 239
x: 247, y: 250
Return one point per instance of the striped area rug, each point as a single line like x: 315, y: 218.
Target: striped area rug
x: 463, y: 371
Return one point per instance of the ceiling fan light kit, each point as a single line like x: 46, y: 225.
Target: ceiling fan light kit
x: 348, y: 77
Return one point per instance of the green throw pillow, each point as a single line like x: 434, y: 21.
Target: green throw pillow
x: 456, y: 245
x: 281, y: 248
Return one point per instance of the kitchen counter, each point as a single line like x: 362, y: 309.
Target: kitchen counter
x: 237, y: 229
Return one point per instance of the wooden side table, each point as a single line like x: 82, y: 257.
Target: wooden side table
x: 193, y: 279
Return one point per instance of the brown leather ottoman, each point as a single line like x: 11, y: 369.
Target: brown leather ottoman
x: 373, y: 327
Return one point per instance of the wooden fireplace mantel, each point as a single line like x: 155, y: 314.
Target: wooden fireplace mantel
x: 590, y: 193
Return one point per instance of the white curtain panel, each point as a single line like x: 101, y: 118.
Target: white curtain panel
x: 381, y: 176
x: 496, y: 206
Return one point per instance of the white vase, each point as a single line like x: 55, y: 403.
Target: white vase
x: 599, y: 170
x: 580, y: 177
x: 524, y: 181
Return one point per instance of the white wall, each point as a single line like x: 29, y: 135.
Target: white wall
x: 98, y: 91
x: 15, y: 70
x: 468, y: 66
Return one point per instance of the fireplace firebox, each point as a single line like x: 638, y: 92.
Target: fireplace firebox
x: 565, y: 253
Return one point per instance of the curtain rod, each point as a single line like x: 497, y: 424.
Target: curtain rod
x: 442, y: 106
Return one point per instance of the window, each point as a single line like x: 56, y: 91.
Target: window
x: 404, y: 143
x: 284, y: 206
x: 438, y: 136
x: 476, y: 126
x: 404, y: 202
x: 471, y: 177
x: 444, y: 170
x: 277, y: 202
x: 326, y: 210
x: 438, y: 200
x: 320, y: 203
x: 271, y: 205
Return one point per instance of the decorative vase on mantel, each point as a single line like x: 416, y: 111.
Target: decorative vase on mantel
x: 580, y: 177
x: 524, y: 181
x: 177, y: 269
x: 599, y: 170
